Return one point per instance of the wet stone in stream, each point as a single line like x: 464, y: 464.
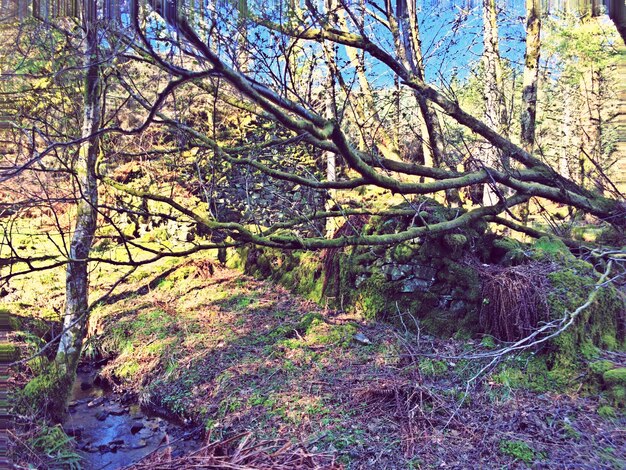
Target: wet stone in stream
x: 111, y: 435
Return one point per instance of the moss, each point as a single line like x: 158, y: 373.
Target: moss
x: 507, y: 251
x: 552, y: 249
x: 595, y: 327
x: 600, y: 367
x: 322, y: 333
x: 307, y: 320
x: 615, y: 376
x: 537, y: 375
x: 509, y: 377
x: 607, y: 412
x: 432, y: 367
x: 519, y: 450
x: 446, y: 323
x: 464, y: 278
x: 298, y: 271
x: 182, y: 273
x: 455, y: 240
x: 46, y: 394
x: 617, y: 395
x: 371, y: 299
x: 404, y: 253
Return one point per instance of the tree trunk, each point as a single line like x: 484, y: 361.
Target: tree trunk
x: 77, y: 276
x: 495, y: 111
x: 530, y: 84
x: 330, y: 112
x: 531, y: 74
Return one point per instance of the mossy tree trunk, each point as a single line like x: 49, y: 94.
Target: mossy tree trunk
x: 77, y: 275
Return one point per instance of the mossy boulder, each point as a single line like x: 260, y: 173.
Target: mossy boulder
x: 598, y: 325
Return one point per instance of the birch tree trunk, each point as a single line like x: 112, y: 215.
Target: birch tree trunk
x: 77, y: 276
x: 330, y: 112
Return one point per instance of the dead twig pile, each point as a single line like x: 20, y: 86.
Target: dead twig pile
x: 241, y: 452
x: 515, y: 299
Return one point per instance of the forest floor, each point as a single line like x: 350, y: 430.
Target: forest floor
x: 227, y: 354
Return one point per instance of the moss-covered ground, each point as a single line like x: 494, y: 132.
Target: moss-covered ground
x: 224, y: 352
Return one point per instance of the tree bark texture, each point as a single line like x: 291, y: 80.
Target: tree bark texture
x: 495, y: 110
x: 531, y: 74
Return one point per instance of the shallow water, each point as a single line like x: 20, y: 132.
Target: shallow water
x: 112, y: 434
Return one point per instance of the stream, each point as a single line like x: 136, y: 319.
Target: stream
x: 112, y: 433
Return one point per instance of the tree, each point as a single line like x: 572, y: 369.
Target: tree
x: 77, y: 277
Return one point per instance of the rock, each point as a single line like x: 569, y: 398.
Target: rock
x: 395, y: 272
x: 154, y: 425
x: 414, y: 284
x: 458, y: 306
x: 615, y: 376
x: 361, y: 338
x: 361, y: 278
x: 135, y: 428
x: 116, y: 409
x: 426, y: 273
x: 89, y: 447
x: 75, y: 403
x: 74, y: 431
x: 141, y: 443
x: 145, y: 433
x: 102, y: 415
x: 96, y: 402
x: 117, y: 442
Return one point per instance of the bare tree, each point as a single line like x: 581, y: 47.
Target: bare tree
x: 77, y: 277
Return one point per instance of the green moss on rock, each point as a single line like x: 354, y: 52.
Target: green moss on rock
x: 46, y: 394
x: 595, y: 326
